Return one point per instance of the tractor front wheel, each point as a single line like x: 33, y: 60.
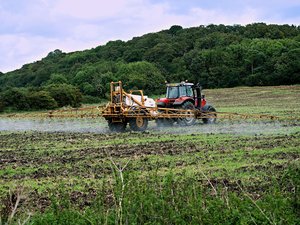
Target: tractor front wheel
x: 138, y: 124
x: 190, y: 119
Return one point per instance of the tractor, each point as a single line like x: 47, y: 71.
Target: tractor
x: 186, y: 96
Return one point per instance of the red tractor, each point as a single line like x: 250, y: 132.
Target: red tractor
x: 184, y: 96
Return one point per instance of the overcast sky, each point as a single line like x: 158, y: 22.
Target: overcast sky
x: 30, y: 29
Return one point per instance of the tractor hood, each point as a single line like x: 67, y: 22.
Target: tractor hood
x: 169, y: 102
x: 162, y: 102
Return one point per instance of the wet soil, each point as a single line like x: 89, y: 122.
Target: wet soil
x: 82, y: 159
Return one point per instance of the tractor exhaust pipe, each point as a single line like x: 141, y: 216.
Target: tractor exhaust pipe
x: 198, y: 88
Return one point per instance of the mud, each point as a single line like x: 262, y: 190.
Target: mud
x: 45, y: 151
x: 31, y: 152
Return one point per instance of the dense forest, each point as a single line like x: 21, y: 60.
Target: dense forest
x: 214, y: 55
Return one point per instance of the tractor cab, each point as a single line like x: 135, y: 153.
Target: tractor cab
x: 176, y: 91
x: 180, y: 93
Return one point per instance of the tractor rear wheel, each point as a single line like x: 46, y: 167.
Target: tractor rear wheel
x: 116, y: 126
x: 189, y: 120
x: 138, y: 124
x: 211, y: 116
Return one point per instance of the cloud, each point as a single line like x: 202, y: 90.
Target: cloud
x: 32, y: 29
x: 89, y: 9
x: 202, y: 16
x: 22, y: 49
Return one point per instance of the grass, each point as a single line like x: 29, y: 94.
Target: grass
x: 173, y: 200
x: 229, y: 173
x: 277, y: 101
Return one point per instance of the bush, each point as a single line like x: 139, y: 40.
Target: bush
x: 41, y: 100
x: 23, y: 99
x: 16, y: 98
x: 88, y: 89
x: 1, y: 106
x: 65, y: 94
x: 90, y: 99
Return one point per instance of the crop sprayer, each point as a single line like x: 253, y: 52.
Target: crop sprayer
x: 184, y: 104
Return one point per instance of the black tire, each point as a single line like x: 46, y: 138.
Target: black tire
x: 138, y: 124
x: 117, y: 126
x: 188, y: 121
x: 210, y: 109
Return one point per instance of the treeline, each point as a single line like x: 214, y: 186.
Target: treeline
x: 47, y: 97
x: 214, y: 55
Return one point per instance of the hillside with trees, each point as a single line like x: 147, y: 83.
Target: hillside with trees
x: 214, y: 55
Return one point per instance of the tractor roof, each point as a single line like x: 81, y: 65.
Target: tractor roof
x: 179, y: 84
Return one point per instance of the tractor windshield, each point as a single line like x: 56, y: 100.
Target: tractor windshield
x: 179, y: 91
x: 172, y: 92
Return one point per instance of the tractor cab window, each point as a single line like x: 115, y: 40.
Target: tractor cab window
x: 189, y: 91
x: 186, y: 91
x: 182, y: 91
x: 172, y: 92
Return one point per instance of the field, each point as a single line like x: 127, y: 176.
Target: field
x: 233, y: 172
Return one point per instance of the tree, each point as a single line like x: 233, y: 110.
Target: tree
x: 102, y: 84
x: 112, y: 50
x: 54, y: 54
x: 82, y: 76
x: 141, y: 75
x: 216, y: 55
x: 57, y: 79
x: 16, y: 98
x: 25, y: 99
x: 1, y: 105
x: 174, y: 30
x: 89, y: 89
x: 287, y: 68
x: 162, y: 54
x: 65, y: 94
x: 41, y: 100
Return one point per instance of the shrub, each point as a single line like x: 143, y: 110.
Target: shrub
x: 89, y: 89
x: 23, y: 99
x: 1, y: 106
x: 90, y: 99
x: 65, y: 94
x: 17, y: 98
x: 57, y: 79
x: 41, y: 100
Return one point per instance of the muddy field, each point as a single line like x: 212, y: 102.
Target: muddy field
x: 45, y: 158
x: 43, y: 162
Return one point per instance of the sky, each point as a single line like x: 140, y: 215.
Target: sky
x: 30, y: 29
